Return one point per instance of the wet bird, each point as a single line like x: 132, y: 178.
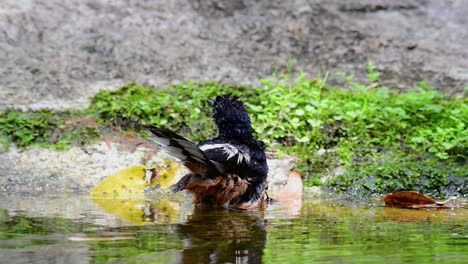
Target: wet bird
x: 228, y: 171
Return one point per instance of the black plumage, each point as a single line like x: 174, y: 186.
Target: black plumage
x: 228, y: 171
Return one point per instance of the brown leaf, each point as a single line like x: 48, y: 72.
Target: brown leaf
x: 414, y: 200
x: 408, y: 199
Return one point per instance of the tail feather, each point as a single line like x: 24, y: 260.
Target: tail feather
x: 184, y: 150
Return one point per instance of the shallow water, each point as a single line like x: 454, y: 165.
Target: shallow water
x: 75, y: 229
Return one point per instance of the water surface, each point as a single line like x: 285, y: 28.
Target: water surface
x: 74, y: 229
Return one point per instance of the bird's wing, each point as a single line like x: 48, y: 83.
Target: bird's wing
x: 244, y: 160
x: 232, y: 156
x: 186, y: 151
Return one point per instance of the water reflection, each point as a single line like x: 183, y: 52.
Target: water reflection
x: 322, y: 232
x: 141, y: 212
x: 209, y: 235
x: 223, y: 236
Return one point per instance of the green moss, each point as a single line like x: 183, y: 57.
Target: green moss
x: 181, y: 108
x: 46, y: 128
x: 26, y: 128
x: 383, y: 140
x: 395, y: 170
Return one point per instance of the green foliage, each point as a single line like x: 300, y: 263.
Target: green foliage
x: 181, y: 107
x: 396, y: 170
x: 307, y: 115
x: 45, y: 128
x: 355, y: 129
x: 26, y: 128
x: 302, y: 116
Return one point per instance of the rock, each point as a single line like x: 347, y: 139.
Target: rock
x: 279, y: 170
x: 37, y: 170
x: 58, y: 53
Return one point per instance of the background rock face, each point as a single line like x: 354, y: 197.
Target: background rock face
x: 57, y: 53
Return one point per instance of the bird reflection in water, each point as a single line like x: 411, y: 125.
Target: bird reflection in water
x: 223, y: 236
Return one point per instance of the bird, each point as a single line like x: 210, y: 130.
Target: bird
x: 228, y: 171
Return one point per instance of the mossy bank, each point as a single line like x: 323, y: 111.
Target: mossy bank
x: 363, y: 139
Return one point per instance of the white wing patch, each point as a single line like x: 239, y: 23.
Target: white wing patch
x: 230, y: 151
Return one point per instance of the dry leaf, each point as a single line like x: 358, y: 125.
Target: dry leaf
x: 131, y: 182
x: 407, y: 199
x: 128, y: 183
x: 122, y: 194
x: 166, y: 176
x: 415, y: 200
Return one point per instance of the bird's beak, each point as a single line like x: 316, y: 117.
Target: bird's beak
x: 211, y: 102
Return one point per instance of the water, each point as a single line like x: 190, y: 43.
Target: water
x: 75, y: 229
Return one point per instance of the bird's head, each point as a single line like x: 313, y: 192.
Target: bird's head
x: 230, y: 116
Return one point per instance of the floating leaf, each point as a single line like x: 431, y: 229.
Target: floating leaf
x: 409, y: 199
x: 166, y: 176
x: 131, y: 182
x: 128, y: 183
x: 122, y: 194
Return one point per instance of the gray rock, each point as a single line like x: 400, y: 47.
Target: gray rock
x: 58, y: 53
x: 37, y: 170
